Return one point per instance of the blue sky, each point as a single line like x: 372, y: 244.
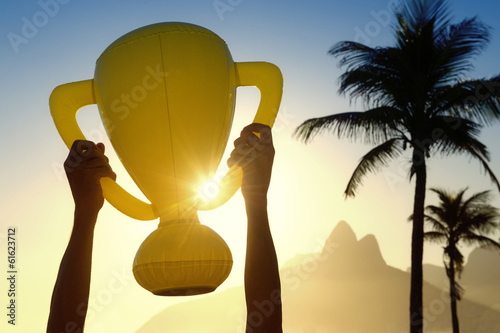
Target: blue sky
x: 61, y: 41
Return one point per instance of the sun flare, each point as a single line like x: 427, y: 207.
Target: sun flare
x: 208, y: 190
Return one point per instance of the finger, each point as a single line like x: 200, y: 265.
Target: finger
x: 76, y: 150
x: 248, y: 139
x: 234, y: 158
x: 106, y: 172
x: 256, y: 128
x: 96, y: 162
x: 254, y: 142
x: 78, y: 143
x: 94, y: 151
x: 266, y: 136
x: 258, y: 146
x: 95, y: 159
x: 230, y: 162
x: 241, y: 156
x: 241, y: 161
x: 239, y: 141
x: 83, y: 147
x: 251, y: 139
x: 243, y: 150
x: 101, y: 147
x: 263, y: 131
x: 85, y: 150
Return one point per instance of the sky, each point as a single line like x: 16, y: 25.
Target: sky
x: 50, y: 42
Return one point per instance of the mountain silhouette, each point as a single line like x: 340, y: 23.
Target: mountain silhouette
x: 349, y: 255
x: 481, y: 278
x: 347, y: 287
x: 341, y: 235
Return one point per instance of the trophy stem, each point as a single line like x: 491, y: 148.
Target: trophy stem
x: 177, y: 213
x: 166, y: 223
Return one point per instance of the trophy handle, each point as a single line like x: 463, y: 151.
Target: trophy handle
x: 268, y: 79
x: 65, y: 101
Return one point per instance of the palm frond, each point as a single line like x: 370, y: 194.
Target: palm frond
x: 373, y: 85
x: 473, y: 152
x: 435, y: 224
x: 373, y: 161
x: 482, y: 241
x: 454, y: 256
x: 435, y: 236
x: 459, y: 136
x: 480, y: 198
x: 448, y: 135
x: 482, y: 220
x: 458, y: 291
x: 373, y: 74
x: 417, y: 14
x: 372, y: 126
x: 477, y: 100
x: 352, y: 53
x: 478, y: 215
x: 445, y: 197
x: 458, y: 44
x: 446, y: 212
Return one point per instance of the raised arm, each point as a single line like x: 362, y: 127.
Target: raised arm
x: 262, y: 281
x: 85, y: 165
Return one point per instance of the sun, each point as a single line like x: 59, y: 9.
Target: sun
x: 208, y: 190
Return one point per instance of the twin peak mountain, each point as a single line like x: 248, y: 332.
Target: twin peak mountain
x: 344, y: 255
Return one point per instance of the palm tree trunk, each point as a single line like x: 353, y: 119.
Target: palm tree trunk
x: 417, y: 242
x: 453, y: 297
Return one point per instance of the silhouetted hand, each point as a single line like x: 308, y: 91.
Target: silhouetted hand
x: 84, y: 166
x: 255, y: 156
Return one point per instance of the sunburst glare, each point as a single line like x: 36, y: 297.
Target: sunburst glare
x: 208, y: 190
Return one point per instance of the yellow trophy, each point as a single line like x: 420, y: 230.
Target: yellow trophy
x: 166, y: 95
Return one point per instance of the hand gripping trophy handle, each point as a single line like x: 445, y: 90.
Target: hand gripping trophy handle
x: 64, y: 102
x: 67, y: 99
x: 268, y: 79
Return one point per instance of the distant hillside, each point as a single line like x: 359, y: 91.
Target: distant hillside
x: 480, y: 277
x: 346, y: 288
x: 435, y: 275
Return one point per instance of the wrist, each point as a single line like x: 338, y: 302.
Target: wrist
x: 256, y: 205
x: 255, y: 200
x: 85, y: 218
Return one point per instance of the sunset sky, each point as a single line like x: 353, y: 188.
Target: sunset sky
x: 50, y: 42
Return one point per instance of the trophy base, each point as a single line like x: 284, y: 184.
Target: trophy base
x: 198, y: 290
x: 182, y: 259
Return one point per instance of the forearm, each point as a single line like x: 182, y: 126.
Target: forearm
x: 262, y: 281
x: 71, y: 291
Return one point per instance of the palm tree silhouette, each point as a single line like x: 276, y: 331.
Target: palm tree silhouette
x: 417, y: 97
x: 457, y: 221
